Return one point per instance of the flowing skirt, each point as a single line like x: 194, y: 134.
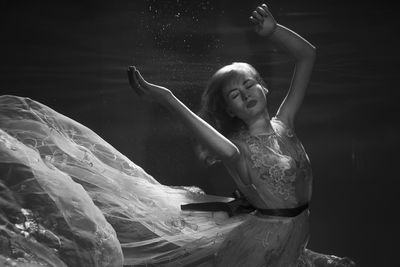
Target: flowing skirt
x: 68, y: 198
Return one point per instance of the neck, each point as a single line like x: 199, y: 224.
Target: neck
x: 260, y: 125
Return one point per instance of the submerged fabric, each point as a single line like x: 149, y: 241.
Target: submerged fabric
x: 68, y: 194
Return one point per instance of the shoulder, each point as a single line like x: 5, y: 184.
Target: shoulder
x: 240, y: 138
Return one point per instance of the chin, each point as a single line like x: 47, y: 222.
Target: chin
x: 259, y: 108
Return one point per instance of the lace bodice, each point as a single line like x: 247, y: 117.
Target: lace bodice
x: 279, y: 168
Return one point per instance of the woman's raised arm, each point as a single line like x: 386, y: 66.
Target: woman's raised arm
x: 207, y: 135
x: 303, y: 52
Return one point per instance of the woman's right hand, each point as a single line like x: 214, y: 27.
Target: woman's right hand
x: 146, y: 89
x: 264, y: 22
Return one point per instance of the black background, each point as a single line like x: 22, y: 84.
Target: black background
x: 72, y: 56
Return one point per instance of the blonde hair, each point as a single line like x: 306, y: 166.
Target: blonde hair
x: 213, y: 105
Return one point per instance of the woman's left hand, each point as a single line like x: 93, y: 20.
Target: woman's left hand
x: 264, y: 22
x: 148, y: 90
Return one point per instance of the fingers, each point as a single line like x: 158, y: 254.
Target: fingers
x: 133, y: 81
x: 130, y: 75
x: 258, y: 15
x: 262, y: 11
x: 255, y: 21
x: 265, y: 8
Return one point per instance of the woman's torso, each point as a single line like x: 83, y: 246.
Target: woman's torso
x: 278, y: 171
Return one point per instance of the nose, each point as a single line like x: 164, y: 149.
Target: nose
x: 244, y: 95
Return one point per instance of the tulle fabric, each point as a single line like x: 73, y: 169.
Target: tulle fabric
x: 68, y: 198
x: 95, y: 185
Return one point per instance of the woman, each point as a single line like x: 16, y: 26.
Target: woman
x: 262, y: 154
x: 68, y: 198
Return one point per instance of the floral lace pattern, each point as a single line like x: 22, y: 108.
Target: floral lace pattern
x: 279, y: 160
x: 276, y: 169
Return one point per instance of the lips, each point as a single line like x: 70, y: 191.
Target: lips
x: 251, y: 103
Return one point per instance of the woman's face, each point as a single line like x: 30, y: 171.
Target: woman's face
x: 245, y: 97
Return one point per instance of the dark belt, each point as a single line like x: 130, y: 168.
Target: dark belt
x: 233, y: 207
x: 239, y: 206
x: 290, y: 212
x: 207, y: 206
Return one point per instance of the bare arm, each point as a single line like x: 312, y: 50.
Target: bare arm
x: 303, y: 52
x: 206, y: 134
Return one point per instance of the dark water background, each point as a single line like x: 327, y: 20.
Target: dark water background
x: 73, y: 55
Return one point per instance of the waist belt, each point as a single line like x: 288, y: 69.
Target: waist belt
x: 290, y: 212
x: 233, y: 207
x: 238, y: 206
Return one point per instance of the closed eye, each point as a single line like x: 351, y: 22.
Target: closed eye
x: 250, y: 85
x: 234, y: 95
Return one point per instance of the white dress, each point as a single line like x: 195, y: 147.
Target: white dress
x: 68, y: 198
